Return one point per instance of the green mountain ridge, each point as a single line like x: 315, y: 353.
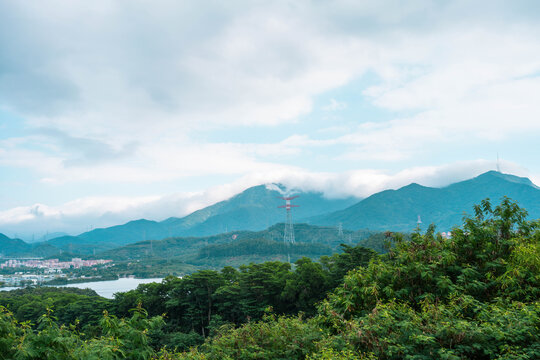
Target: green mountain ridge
x: 398, y: 210
x: 9, y: 246
x: 19, y: 248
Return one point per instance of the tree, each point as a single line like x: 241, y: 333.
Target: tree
x: 307, y: 285
x: 447, y: 298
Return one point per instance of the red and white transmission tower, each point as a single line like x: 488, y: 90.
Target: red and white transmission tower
x: 288, y: 234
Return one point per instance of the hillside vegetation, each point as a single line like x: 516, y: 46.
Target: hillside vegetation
x: 244, y: 246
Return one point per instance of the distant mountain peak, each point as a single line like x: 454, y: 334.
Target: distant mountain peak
x: 506, y: 177
x: 140, y: 221
x: 414, y: 186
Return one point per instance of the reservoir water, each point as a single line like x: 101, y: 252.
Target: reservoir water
x: 105, y: 288
x: 108, y: 288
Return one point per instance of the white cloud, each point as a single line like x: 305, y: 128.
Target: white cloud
x: 364, y: 182
x: 252, y: 66
x: 335, y: 105
x: 126, y: 92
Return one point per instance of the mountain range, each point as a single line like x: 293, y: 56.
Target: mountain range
x: 256, y: 209
x: 400, y: 210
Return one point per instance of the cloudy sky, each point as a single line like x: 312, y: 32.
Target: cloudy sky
x: 115, y: 110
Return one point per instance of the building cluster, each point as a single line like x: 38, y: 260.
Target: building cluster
x: 52, y: 264
x: 27, y: 279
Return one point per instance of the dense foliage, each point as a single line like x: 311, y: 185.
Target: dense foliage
x: 119, y: 339
x: 203, y: 300
x: 262, y: 247
x: 71, y: 306
x: 475, y: 295
x: 198, y: 303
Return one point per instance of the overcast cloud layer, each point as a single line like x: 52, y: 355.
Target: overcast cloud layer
x: 107, y: 108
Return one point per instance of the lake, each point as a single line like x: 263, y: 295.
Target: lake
x: 108, y: 288
x: 105, y: 288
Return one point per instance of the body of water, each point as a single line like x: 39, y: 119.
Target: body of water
x: 108, y: 288
x: 105, y: 288
x: 8, y: 288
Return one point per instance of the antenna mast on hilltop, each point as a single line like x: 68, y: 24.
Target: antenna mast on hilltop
x: 288, y: 233
x: 498, y: 164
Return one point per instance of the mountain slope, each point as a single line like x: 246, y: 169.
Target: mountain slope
x: 10, y: 246
x: 398, y: 210
x: 17, y: 247
x: 254, y: 209
x: 77, y: 245
x: 130, y: 232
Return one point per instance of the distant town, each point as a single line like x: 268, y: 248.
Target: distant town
x: 49, y: 270
x: 52, y: 264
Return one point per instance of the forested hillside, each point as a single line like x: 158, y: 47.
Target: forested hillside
x: 475, y: 295
x: 312, y: 241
